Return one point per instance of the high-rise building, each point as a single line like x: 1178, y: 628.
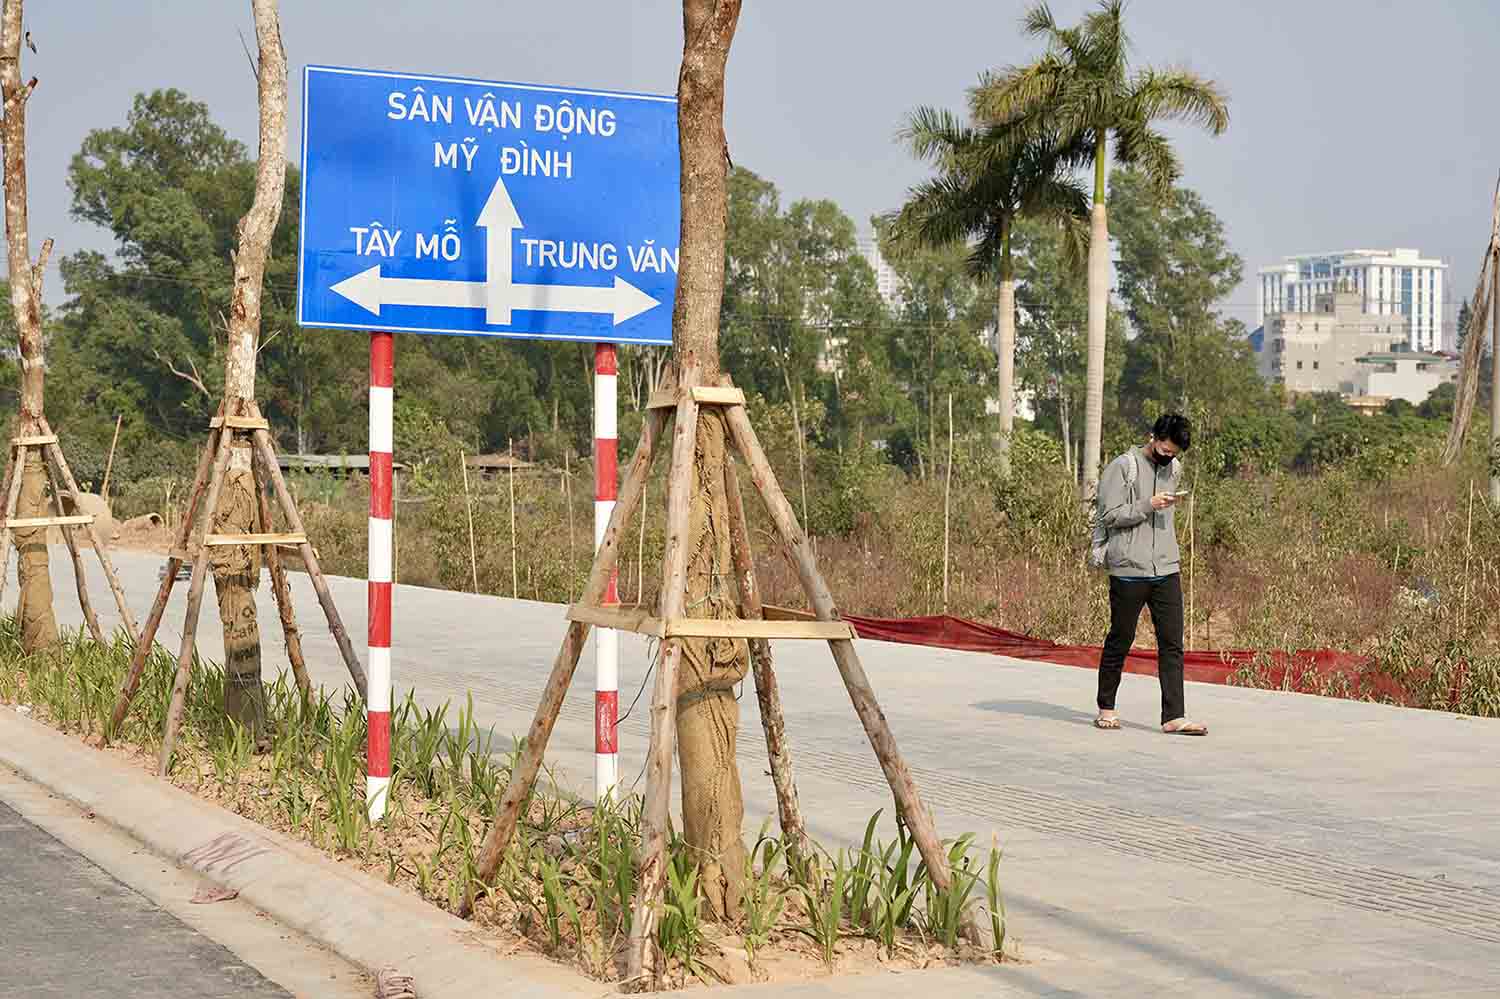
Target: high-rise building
x: 1396, y: 282
x: 886, y: 280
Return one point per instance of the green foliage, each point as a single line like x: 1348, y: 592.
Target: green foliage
x: 847, y: 498
x: 764, y: 901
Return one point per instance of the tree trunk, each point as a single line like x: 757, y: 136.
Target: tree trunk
x: 38, y: 626
x: 707, y: 713
x: 1005, y: 348
x: 1098, y: 316
x: 237, y: 569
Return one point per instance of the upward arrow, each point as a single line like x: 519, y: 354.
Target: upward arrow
x: 499, y: 219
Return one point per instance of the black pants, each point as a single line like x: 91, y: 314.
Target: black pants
x: 1126, y: 599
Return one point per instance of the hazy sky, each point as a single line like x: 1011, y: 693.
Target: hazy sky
x: 1355, y: 123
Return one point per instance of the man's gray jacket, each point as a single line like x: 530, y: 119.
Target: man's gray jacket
x: 1142, y: 541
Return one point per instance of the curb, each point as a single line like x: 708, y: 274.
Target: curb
x: 365, y: 921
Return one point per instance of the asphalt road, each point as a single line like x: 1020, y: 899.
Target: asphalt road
x: 73, y: 930
x: 88, y: 912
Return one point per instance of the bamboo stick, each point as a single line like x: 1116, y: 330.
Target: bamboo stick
x: 947, y: 494
x: 568, y: 501
x: 1463, y: 621
x: 109, y: 463
x: 280, y: 585
x: 147, y: 639
x: 1494, y: 451
x: 79, y: 579
x: 767, y: 691
x: 463, y: 467
x: 1192, y: 562
x: 190, y: 621
x: 861, y: 694
x: 310, y: 561
x: 523, y: 779
x: 651, y: 853
x: 515, y: 579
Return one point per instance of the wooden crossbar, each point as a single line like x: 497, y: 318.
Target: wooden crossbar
x: 37, y: 440
x: 619, y: 618
x: 774, y: 613
x: 226, y: 540
x: 25, y: 523
x: 239, y: 423
x: 642, y: 623
x: 703, y: 395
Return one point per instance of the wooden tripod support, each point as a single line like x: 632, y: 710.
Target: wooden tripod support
x: 61, y: 477
x: 671, y: 624
x: 192, y: 540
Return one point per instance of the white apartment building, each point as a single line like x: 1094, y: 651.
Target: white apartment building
x: 1397, y: 282
x: 886, y: 281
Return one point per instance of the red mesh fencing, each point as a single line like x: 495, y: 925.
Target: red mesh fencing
x: 1310, y: 671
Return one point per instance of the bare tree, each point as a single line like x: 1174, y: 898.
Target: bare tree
x: 38, y: 625
x: 237, y: 569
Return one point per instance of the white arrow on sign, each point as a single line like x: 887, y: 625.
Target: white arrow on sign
x: 497, y: 295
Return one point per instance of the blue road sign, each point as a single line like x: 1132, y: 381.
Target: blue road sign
x: 440, y: 205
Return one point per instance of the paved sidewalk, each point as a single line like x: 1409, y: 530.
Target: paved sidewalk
x: 1307, y: 847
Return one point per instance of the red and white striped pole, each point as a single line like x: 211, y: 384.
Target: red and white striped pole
x: 378, y: 694
x: 606, y: 640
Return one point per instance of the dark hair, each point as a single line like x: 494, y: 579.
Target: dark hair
x: 1173, y: 427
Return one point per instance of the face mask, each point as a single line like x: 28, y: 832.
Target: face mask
x: 1162, y: 460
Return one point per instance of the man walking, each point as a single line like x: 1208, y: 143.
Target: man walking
x: 1137, y: 493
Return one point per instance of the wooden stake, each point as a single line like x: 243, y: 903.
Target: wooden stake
x: 861, y: 694
x: 147, y: 640
x: 194, y: 603
x: 515, y: 578
x: 280, y: 586
x: 109, y: 464
x: 651, y: 854
x: 121, y: 604
x: 267, y: 451
x: 947, y: 494
x: 13, y: 476
x: 463, y: 466
x: 767, y: 691
x: 523, y: 778
x: 79, y: 579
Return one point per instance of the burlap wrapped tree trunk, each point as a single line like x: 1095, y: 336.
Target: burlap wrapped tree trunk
x: 708, y: 715
x: 236, y: 578
x: 34, y: 607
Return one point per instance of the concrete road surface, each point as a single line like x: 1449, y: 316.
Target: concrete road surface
x: 1307, y: 847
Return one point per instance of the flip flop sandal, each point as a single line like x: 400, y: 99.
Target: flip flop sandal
x: 1107, y: 724
x: 1191, y: 728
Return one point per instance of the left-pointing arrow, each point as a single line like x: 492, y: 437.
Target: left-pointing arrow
x: 370, y: 291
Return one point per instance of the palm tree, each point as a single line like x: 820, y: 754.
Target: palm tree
x: 1082, y: 87
x: 985, y: 182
